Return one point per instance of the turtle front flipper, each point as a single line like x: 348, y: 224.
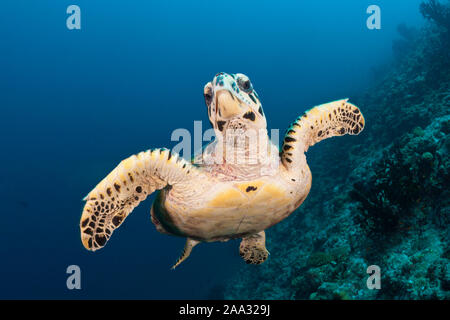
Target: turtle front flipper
x: 253, y: 248
x: 115, y: 197
x: 325, y: 121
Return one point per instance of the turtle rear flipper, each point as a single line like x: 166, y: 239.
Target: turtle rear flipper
x: 115, y: 197
x: 190, y: 244
x: 325, y: 121
x: 253, y: 248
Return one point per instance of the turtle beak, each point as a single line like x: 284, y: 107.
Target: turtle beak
x: 227, y: 105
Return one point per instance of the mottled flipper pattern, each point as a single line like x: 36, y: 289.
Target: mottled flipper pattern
x: 115, y: 197
x: 325, y: 121
x: 253, y: 248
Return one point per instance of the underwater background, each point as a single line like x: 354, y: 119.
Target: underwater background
x: 74, y: 103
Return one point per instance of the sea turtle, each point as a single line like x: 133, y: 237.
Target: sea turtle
x: 239, y: 189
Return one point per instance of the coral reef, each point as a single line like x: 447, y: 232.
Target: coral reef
x: 411, y: 172
x: 435, y: 11
x: 390, y: 203
x: 405, y: 44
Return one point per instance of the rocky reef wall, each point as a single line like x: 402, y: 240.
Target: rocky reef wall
x: 381, y: 198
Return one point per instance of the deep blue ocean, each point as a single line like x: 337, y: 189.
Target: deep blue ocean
x: 74, y: 103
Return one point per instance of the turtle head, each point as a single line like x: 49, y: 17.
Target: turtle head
x: 233, y: 103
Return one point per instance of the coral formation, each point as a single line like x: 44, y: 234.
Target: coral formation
x: 411, y: 172
x: 435, y: 11
x: 405, y: 44
x: 390, y: 203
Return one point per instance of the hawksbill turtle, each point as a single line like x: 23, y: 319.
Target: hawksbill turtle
x: 217, y: 199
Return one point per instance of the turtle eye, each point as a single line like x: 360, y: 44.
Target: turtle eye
x: 208, y: 95
x: 208, y: 98
x: 245, y: 84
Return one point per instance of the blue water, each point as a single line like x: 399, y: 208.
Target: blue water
x: 76, y: 102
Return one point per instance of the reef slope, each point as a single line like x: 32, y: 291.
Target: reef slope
x: 384, y: 200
